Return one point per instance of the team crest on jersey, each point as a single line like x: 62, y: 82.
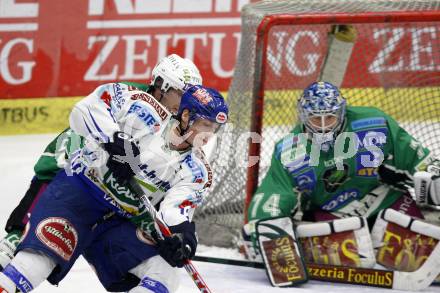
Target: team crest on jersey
x: 58, y: 235
x: 333, y: 178
x: 106, y: 98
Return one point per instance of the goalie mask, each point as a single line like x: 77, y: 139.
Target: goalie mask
x: 321, y: 110
x: 176, y: 72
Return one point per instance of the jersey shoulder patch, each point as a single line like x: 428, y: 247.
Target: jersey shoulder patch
x: 150, y: 100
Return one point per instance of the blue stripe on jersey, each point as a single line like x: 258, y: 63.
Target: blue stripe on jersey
x: 103, y: 135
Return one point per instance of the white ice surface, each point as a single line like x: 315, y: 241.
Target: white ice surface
x: 17, y: 157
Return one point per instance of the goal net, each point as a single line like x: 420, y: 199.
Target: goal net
x: 392, y: 62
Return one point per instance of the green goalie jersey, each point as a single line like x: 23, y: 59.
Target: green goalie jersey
x: 344, y: 180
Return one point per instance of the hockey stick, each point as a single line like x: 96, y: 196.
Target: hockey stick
x: 413, y: 281
x: 341, y: 40
x: 165, y: 231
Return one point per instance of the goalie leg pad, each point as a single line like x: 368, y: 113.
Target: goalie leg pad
x: 281, y: 252
x: 345, y: 242
x: 403, y: 243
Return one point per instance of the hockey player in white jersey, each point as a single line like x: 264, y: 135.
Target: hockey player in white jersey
x: 169, y: 78
x: 129, y: 134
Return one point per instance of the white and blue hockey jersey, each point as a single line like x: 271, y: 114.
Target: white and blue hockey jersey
x: 178, y: 181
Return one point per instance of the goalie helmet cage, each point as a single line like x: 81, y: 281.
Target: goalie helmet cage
x: 394, y: 65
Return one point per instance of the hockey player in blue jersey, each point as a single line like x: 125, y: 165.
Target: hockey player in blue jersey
x: 129, y: 135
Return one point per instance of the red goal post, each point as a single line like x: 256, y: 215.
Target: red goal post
x: 394, y: 65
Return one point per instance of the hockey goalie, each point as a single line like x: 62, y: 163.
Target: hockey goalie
x: 338, y: 193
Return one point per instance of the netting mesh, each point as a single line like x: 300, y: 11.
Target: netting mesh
x: 393, y: 66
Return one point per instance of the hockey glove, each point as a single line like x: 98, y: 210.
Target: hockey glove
x: 123, y: 157
x: 427, y: 188
x: 179, y: 247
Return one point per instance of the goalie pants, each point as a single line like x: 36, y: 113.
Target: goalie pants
x: 62, y: 226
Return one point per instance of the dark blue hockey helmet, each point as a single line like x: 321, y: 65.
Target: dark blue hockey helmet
x: 204, y: 103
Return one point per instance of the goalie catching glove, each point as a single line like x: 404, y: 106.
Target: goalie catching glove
x: 179, y: 247
x: 427, y: 186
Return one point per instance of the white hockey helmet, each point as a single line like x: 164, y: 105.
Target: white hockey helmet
x: 176, y: 72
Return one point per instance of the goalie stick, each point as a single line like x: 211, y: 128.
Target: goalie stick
x: 165, y: 231
x: 412, y: 281
x: 341, y: 40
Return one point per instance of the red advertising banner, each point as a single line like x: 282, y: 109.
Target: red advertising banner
x: 66, y: 48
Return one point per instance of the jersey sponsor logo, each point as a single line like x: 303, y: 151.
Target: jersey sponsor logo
x: 367, y: 163
x: 368, y: 123
x: 118, y: 99
x: 202, y: 157
x: 376, y: 137
x: 143, y: 113
x: 151, y: 174
x: 367, y: 172
x: 163, y: 113
x: 196, y: 171
x: 118, y: 189
x: 59, y: 235
x: 340, y: 199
